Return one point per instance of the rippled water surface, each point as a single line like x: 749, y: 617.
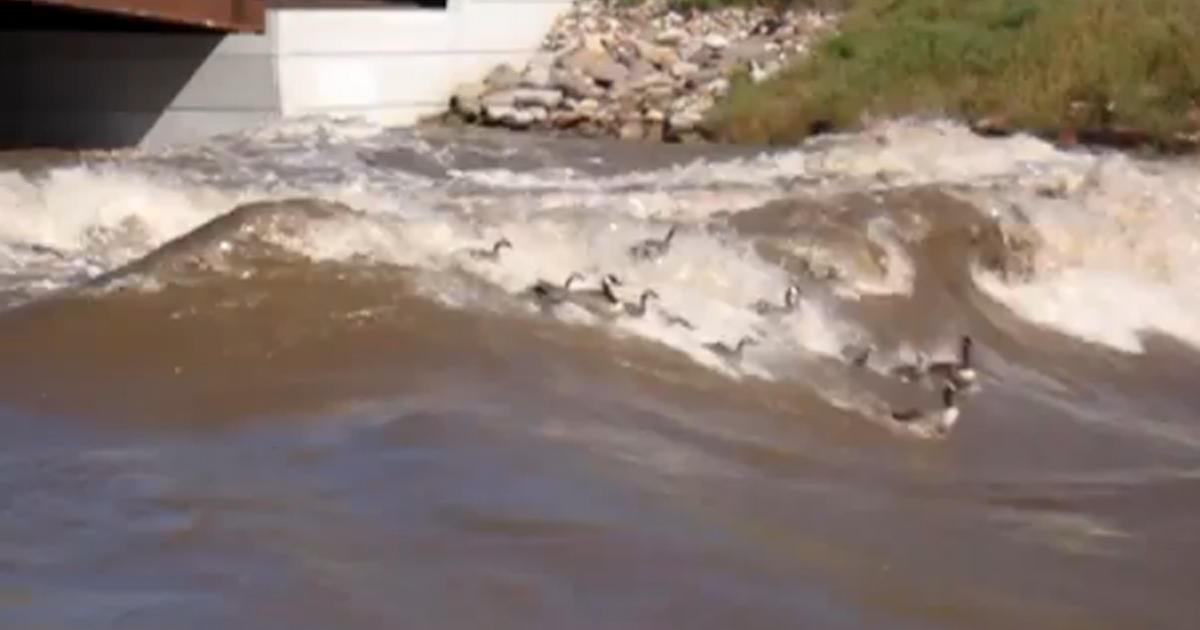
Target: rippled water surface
x: 260, y: 382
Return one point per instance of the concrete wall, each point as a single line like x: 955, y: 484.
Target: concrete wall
x: 390, y: 65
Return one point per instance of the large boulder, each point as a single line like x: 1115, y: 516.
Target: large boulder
x: 502, y: 77
x: 598, y: 66
x: 467, y: 100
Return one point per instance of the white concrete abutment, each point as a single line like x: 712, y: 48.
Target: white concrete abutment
x: 391, y: 65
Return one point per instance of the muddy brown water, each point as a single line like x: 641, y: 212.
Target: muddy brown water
x: 320, y: 413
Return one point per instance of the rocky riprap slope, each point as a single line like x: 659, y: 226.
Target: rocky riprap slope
x: 636, y: 72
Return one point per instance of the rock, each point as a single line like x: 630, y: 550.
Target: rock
x: 538, y: 114
x: 654, y: 116
x: 588, y: 108
x: 597, y: 65
x: 660, y: 56
x: 631, y: 130
x: 537, y: 74
x: 640, y: 70
x: 651, y: 80
x: 501, y: 98
x: 502, y: 77
x: 565, y: 119
x: 716, y: 41
x: 573, y: 84
x: 528, y: 97
x: 754, y: 49
x: 595, y: 43
x: 671, y: 36
x: 684, y: 69
x: 717, y: 86
x: 467, y: 100
x: 686, y: 119
x: 498, y: 114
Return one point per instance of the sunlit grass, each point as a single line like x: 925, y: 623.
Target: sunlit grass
x: 1022, y: 61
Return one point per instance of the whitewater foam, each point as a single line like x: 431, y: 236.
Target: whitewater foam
x: 1120, y: 234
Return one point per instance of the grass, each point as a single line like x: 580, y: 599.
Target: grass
x: 1035, y: 64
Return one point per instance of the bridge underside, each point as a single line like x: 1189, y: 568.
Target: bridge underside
x: 210, y: 15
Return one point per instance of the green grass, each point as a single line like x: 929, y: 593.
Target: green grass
x: 1024, y: 61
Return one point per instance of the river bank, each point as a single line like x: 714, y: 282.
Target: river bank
x: 638, y: 72
x: 1097, y: 73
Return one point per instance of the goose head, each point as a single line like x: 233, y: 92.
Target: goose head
x: 965, y: 350
x: 670, y: 234
x: 792, y: 296
x: 948, y: 393
x: 646, y: 295
x: 606, y: 286
x: 501, y: 244
x: 745, y: 341
x: 575, y: 275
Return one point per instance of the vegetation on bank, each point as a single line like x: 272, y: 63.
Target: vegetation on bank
x: 1026, y: 64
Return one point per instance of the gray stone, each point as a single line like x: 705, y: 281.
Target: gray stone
x: 671, y: 37
x: 500, y: 98
x: 686, y: 119
x: 538, y: 114
x: 588, y: 107
x: 563, y: 119
x: 495, y: 113
x: 684, y: 69
x: 661, y: 56
x: 536, y: 77
x: 631, y: 130
x: 639, y: 70
x: 467, y: 99
x: 573, y: 84
x: 597, y: 65
x: 502, y: 77
x: 753, y: 49
x: 528, y: 97
x: 716, y: 41
x: 717, y: 86
x: 651, y: 80
x: 517, y: 118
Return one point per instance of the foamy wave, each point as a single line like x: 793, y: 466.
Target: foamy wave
x: 1120, y: 235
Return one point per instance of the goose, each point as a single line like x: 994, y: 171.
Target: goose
x: 730, y: 354
x: 489, y: 254
x: 931, y: 422
x: 790, y: 299
x: 602, y: 301
x: 652, y: 248
x: 858, y: 354
x: 960, y: 372
x: 548, y: 293
x: 911, y: 372
x: 639, y: 309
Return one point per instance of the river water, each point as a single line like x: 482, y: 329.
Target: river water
x: 317, y: 411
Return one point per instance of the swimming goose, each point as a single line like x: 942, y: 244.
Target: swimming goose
x: 911, y: 372
x: 602, y: 301
x: 858, y: 354
x: 730, y: 354
x: 548, y: 293
x: 652, y: 248
x: 639, y: 309
x: 931, y: 422
x: 489, y: 254
x: 790, y: 299
x: 960, y: 372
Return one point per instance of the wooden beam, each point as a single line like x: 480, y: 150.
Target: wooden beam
x: 220, y: 15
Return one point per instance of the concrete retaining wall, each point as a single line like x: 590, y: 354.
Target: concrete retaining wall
x: 391, y: 65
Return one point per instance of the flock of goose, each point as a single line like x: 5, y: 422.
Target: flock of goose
x: 953, y: 376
